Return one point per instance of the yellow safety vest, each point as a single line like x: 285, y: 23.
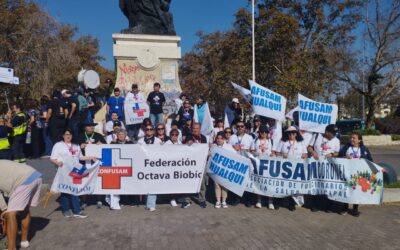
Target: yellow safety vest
x: 4, y: 143
x: 21, y: 129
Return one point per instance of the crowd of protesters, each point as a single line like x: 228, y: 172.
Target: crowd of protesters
x: 63, y: 124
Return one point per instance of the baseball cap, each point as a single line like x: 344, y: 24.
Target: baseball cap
x: 235, y: 100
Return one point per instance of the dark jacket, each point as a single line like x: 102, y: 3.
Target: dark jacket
x: 364, y: 152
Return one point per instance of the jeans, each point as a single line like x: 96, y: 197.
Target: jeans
x: 156, y: 118
x: 68, y: 201
x: 48, y: 144
x: 5, y: 154
x: 74, y: 126
x: 151, y: 200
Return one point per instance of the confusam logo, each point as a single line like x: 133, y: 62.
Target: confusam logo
x: 78, y: 174
x: 138, y: 111
x: 113, y: 168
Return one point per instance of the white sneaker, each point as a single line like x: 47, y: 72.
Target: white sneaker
x: 115, y: 208
x: 258, y: 205
x: 224, y: 205
x: 151, y: 209
x: 173, y: 203
x: 271, y: 206
x: 218, y: 204
x: 81, y: 215
x: 24, y: 244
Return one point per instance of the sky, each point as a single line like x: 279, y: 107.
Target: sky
x: 102, y: 18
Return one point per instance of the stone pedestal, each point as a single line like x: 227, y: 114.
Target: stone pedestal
x: 146, y: 59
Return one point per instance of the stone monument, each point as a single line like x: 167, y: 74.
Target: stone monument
x: 148, y: 51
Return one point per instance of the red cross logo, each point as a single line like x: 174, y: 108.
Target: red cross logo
x: 138, y: 111
x: 113, y: 167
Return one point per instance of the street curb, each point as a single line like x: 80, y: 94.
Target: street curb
x: 391, y: 195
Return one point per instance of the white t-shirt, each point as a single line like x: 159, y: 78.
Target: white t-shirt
x: 262, y: 146
x: 156, y: 141
x: 214, y: 133
x: 61, y: 148
x: 131, y: 97
x: 324, y: 146
x: 308, y: 137
x: 294, y: 149
x: 110, y: 126
x: 228, y: 147
x: 244, y: 141
x: 169, y: 142
x: 354, y: 152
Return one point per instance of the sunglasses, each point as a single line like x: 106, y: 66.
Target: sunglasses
x: 149, y: 129
x: 174, y: 134
x: 228, y: 132
x: 240, y: 126
x: 160, y: 128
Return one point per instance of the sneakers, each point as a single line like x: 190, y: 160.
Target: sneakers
x: 81, y: 215
x: 258, y: 204
x: 24, y: 244
x: 151, y: 209
x: 271, y: 205
x: 354, y: 212
x: 217, y: 204
x: 67, y: 214
x: 173, y: 203
x: 185, y: 204
x: 203, y: 204
x: 224, y: 205
x: 83, y: 206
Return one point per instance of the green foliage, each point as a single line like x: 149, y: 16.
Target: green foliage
x: 395, y: 137
x: 44, y: 53
x: 392, y: 185
x: 368, y: 132
x: 296, y: 44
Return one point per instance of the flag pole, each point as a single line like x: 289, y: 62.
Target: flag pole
x: 253, y: 42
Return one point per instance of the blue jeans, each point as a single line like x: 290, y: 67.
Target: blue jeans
x: 156, y: 118
x: 68, y: 201
x: 151, y: 200
x: 48, y: 144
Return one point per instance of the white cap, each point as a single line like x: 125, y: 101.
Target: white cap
x: 235, y: 100
x: 64, y: 91
x: 291, y: 128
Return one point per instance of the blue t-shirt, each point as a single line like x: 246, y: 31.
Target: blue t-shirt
x: 116, y: 105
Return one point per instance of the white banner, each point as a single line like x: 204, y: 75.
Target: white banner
x: 356, y: 181
x: 75, y: 178
x: 315, y: 116
x: 149, y: 169
x: 229, y: 169
x: 6, y: 75
x: 136, y: 112
x: 245, y: 93
x: 267, y: 103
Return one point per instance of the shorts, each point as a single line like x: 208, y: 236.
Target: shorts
x: 25, y: 196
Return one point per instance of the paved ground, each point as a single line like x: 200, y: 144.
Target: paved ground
x: 232, y: 228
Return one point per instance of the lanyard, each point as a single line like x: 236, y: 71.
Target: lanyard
x: 89, y: 139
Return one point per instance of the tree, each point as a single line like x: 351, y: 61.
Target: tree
x: 296, y: 42
x: 43, y: 52
x: 379, y: 70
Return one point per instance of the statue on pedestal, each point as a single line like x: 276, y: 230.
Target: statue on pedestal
x: 150, y: 17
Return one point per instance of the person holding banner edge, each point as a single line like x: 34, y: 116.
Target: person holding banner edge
x: 134, y: 96
x: 67, y: 147
x: 355, y: 149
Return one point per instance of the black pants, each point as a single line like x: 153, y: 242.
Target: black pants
x: 57, y: 127
x: 36, y: 142
x: 17, y: 147
x: 5, y: 154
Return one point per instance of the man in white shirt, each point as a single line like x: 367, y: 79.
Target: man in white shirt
x: 327, y: 145
x: 110, y: 124
x: 241, y: 141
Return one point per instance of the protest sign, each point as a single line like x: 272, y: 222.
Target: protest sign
x: 136, y: 111
x: 245, y: 93
x: 229, y: 169
x: 6, y: 75
x: 356, y: 181
x: 315, y: 116
x: 75, y: 178
x: 267, y: 103
x: 149, y: 169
